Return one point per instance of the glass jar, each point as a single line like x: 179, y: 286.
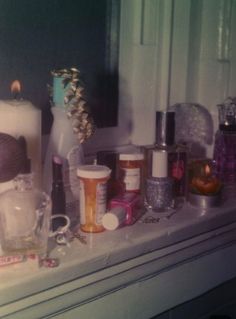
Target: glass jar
x: 24, y: 218
x: 93, y: 196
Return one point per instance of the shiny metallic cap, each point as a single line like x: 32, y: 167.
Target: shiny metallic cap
x: 165, y: 128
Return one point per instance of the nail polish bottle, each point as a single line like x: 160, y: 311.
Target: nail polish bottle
x: 176, y: 154
x: 124, y: 210
x: 159, y: 195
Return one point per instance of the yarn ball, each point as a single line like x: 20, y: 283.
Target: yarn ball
x: 11, y: 157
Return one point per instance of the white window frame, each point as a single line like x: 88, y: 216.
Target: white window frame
x: 145, y: 37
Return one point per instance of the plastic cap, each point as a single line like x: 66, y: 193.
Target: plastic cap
x: 131, y: 156
x: 165, y: 128
x: 93, y: 171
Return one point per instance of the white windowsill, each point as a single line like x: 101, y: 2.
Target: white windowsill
x: 113, y: 261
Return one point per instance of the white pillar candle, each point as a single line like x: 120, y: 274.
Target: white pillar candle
x: 22, y: 118
x: 159, y: 163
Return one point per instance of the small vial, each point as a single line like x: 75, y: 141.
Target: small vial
x: 131, y: 166
x: 93, y: 196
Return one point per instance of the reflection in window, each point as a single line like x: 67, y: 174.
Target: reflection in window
x: 39, y: 36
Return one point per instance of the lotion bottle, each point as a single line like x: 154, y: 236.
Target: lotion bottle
x: 65, y: 144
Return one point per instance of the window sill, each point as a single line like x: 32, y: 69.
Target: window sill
x: 190, y: 250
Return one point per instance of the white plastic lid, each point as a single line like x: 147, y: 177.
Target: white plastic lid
x: 93, y: 171
x: 131, y: 156
x: 114, y: 218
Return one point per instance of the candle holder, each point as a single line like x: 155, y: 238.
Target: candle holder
x: 205, y: 188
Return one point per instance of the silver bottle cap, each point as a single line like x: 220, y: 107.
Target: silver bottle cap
x: 165, y: 128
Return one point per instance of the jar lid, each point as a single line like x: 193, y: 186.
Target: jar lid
x: 131, y: 156
x: 93, y: 171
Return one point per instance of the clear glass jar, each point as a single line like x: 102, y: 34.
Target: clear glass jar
x: 24, y: 218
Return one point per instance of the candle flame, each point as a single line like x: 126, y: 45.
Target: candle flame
x: 207, y: 170
x: 15, y: 87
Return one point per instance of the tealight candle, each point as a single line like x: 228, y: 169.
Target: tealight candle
x: 19, y: 117
x: 205, y: 186
x: 205, y: 182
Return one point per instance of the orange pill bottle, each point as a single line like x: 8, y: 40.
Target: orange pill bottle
x: 93, y: 196
x: 131, y: 170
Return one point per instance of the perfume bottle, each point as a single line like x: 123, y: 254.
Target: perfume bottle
x: 176, y: 154
x: 159, y: 196
x: 24, y: 216
x: 224, y: 152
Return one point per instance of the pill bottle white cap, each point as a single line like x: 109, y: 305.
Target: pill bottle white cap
x: 131, y: 156
x: 93, y: 171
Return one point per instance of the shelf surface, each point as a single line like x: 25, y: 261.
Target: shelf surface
x: 114, y: 259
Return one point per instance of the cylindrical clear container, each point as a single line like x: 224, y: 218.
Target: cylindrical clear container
x: 24, y: 218
x: 93, y: 196
x: 130, y: 171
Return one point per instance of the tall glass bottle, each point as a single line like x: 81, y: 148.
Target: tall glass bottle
x: 176, y: 154
x: 224, y: 152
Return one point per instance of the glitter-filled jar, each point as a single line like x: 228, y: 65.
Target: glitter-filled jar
x: 131, y: 170
x: 93, y: 196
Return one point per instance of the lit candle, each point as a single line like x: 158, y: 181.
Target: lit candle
x: 20, y: 117
x: 206, y: 183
